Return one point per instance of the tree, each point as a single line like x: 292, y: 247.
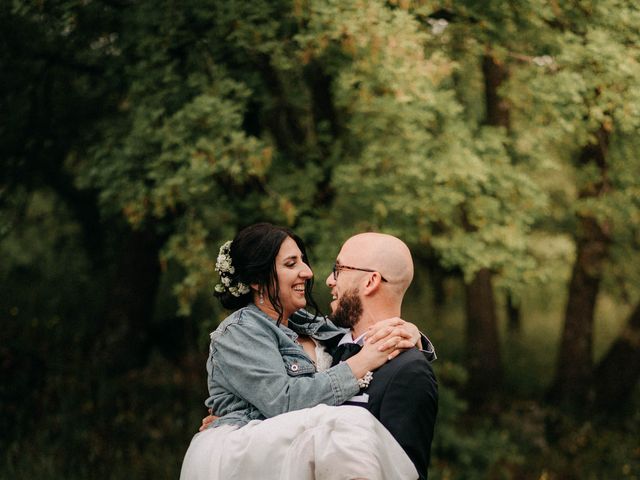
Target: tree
x: 576, y: 105
x: 603, y: 94
x: 618, y: 372
x: 417, y: 164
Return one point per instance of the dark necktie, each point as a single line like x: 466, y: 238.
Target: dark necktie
x: 344, y: 351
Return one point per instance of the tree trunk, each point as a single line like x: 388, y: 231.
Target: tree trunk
x: 326, y: 128
x: 125, y: 327
x: 514, y: 319
x: 573, y: 376
x: 482, y: 340
x: 617, y: 375
x: 482, y: 343
x: 438, y: 276
x: 575, y: 359
x: 497, y: 109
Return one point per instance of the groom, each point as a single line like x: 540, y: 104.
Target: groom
x: 370, y: 277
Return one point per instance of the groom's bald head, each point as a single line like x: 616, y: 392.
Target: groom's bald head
x: 383, y: 253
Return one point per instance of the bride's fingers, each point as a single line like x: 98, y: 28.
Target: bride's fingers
x: 405, y: 344
x: 403, y: 332
x: 378, y: 334
x: 389, y: 331
x: 402, y: 346
x: 389, y: 344
x: 388, y: 321
x: 394, y: 321
x: 383, y: 325
x: 411, y: 334
x: 394, y: 354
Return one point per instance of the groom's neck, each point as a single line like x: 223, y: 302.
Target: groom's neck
x: 371, y: 316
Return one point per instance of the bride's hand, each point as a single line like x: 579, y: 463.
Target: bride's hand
x: 368, y: 358
x: 394, y: 333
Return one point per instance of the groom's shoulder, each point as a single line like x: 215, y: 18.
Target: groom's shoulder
x: 410, y: 373
x: 410, y: 363
x: 413, y: 355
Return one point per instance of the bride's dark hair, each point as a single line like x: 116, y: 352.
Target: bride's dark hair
x: 253, y: 256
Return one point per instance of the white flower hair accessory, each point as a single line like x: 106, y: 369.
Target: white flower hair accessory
x: 225, y: 268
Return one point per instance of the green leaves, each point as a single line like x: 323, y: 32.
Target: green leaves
x: 351, y: 115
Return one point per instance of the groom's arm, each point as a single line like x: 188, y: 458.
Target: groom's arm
x: 408, y: 410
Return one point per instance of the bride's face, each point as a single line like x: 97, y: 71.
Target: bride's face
x: 292, y: 273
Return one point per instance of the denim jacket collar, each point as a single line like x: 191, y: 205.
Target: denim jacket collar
x: 303, y: 322
x: 318, y: 327
x: 285, y: 329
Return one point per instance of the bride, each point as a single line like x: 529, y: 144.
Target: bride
x: 271, y: 382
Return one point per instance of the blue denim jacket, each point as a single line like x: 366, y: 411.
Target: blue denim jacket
x: 257, y: 370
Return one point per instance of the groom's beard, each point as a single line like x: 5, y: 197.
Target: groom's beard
x: 349, y: 309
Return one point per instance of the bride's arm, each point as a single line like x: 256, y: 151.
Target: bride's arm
x: 250, y: 364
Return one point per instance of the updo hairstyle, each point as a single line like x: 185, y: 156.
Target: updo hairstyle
x: 253, y: 255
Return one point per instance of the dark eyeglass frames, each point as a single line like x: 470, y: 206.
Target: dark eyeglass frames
x: 337, y: 268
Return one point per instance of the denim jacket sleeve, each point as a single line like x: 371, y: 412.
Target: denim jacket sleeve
x: 249, y: 359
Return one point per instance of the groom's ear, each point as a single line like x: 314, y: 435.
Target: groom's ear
x: 373, y: 283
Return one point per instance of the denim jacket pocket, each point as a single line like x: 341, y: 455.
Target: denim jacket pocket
x: 296, y: 363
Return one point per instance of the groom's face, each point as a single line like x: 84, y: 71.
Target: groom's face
x: 346, y: 304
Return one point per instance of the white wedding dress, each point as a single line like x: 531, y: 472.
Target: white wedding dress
x: 321, y: 443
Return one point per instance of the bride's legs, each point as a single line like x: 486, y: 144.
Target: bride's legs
x: 321, y: 443
x: 346, y: 443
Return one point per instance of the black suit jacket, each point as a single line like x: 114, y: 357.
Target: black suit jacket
x: 403, y: 395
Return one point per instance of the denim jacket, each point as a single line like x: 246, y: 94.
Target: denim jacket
x: 257, y: 370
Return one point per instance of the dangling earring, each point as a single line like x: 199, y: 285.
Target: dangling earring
x: 261, y: 298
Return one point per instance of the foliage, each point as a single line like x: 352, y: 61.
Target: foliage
x: 460, y: 451
x: 188, y: 120
x: 412, y: 163
x: 586, y: 83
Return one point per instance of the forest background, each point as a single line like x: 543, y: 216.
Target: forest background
x: 499, y: 139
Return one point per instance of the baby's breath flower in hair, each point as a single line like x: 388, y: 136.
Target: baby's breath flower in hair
x: 225, y: 268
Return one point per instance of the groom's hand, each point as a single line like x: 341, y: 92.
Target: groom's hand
x: 394, y: 333
x: 206, y: 421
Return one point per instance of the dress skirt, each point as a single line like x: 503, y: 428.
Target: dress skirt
x: 321, y: 443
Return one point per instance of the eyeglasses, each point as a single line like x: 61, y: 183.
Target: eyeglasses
x: 337, y: 268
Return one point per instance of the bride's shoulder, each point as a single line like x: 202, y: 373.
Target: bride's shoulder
x: 249, y: 318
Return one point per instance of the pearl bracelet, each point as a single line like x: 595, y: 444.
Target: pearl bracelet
x: 366, y: 380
